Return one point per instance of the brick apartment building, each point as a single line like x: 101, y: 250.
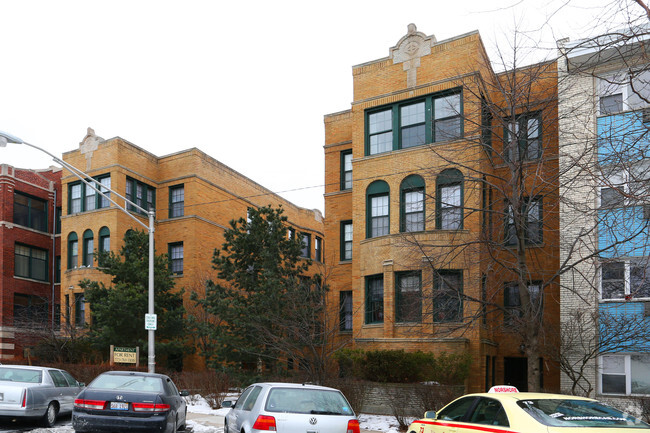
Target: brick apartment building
x: 30, y: 202
x: 407, y: 212
x: 194, y: 196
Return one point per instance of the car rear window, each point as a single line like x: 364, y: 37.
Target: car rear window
x: 578, y: 413
x: 20, y: 375
x: 305, y: 400
x: 128, y: 383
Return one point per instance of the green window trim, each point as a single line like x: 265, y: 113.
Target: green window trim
x: 176, y: 255
x: 528, y: 128
x: 374, y: 299
x: 412, y: 214
x: 305, y: 252
x: 104, y: 240
x: 450, y: 197
x: 434, y: 118
x: 83, y: 198
x: 73, y: 251
x: 141, y: 194
x: 377, y: 200
x: 345, y: 311
x: 448, y: 300
x: 346, y: 170
x: 88, y: 248
x: 408, y: 297
x: 176, y: 201
x: 532, y: 211
x: 346, y: 229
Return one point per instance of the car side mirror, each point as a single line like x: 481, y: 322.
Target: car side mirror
x: 430, y: 414
x: 184, y: 393
x: 81, y: 384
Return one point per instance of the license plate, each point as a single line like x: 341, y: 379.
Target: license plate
x: 116, y: 405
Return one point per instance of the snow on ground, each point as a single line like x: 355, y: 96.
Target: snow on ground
x: 199, y: 406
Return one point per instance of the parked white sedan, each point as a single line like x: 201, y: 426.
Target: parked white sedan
x: 36, y: 392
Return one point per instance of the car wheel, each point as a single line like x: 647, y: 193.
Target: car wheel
x: 50, y: 415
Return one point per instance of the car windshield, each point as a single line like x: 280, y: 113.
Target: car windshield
x: 20, y: 375
x: 578, y: 413
x: 127, y: 382
x: 305, y: 400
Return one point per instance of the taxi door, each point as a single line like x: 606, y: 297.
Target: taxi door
x: 486, y: 415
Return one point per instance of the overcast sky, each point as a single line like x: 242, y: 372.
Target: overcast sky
x: 246, y: 82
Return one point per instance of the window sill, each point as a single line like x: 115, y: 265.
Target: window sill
x: 373, y: 325
x: 345, y: 262
x: 31, y: 279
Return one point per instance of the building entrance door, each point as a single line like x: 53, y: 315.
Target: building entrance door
x: 516, y: 373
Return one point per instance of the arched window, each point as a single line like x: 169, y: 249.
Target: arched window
x: 449, y: 200
x: 377, y: 209
x: 412, y: 204
x: 89, y: 246
x: 104, y: 239
x: 73, y: 251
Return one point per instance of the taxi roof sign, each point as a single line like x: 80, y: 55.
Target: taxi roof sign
x: 503, y: 388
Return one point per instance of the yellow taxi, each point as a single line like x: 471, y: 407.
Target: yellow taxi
x: 504, y: 410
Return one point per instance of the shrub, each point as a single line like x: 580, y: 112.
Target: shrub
x: 398, y: 366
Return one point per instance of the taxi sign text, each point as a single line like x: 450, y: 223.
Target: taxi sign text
x: 503, y: 388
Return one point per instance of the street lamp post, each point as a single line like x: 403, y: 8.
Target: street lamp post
x: 99, y: 188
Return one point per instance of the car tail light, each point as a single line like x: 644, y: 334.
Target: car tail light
x: 24, y: 402
x: 90, y: 404
x: 264, y: 422
x: 353, y: 426
x: 150, y: 407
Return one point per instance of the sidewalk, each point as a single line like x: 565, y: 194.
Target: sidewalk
x: 206, y: 419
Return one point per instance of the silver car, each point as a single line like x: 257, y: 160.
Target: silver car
x: 291, y: 408
x: 36, y: 392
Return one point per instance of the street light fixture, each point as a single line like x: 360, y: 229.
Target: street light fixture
x: 99, y: 188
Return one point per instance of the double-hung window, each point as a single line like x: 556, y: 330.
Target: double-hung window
x: 413, y: 125
x: 318, y: 249
x: 447, y: 118
x: 449, y: 200
x: 448, y: 296
x: 306, y: 245
x: 346, y: 240
x: 512, y: 302
x: 625, y: 374
x: 380, y: 131
x: 375, y: 299
x: 176, y: 258
x: 408, y: 295
x: 30, y: 211
x: 412, y: 204
x: 79, y: 309
x: 523, y: 138
x: 428, y: 119
x: 141, y: 194
x: 176, y: 201
x: 30, y: 262
x: 73, y: 251
x: 629, y: 279
x: 346, y: 169
x: 345, y: 310
x: 88, y: 248
x: 378, y: 209
x: 530, y: 217
x: 83, y: 198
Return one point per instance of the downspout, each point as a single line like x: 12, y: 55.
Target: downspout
x: 53, y: 254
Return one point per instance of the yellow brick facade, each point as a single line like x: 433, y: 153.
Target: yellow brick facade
x: 417, y: 66
x: 214, y: 194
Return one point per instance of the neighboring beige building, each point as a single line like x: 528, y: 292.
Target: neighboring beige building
x: 194, y: 196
